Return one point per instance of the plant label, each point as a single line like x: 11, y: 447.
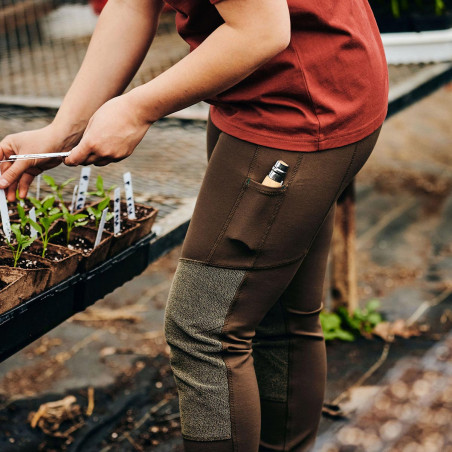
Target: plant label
x: 32, y: 215
x: 4, y: 214
x: 38, y: 187
x: 129, y: 196
x: 83, y: 187
x: 100, y: 231
x: 117, y: 207
x: 74, y: 199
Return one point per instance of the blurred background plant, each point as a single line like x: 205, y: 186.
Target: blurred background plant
x: 348, y: 326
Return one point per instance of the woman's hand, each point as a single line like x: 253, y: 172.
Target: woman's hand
x: 112, y: 133
x: 20, y: 174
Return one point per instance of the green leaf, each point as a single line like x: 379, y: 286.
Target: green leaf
x: 35, y: 225
x: 344, y: 335
x: 53, y: 211
x: 16, y: 229
x: 56, y: 233
x: 67, y: 182
x: 374, y: 318
x: 27, y: 242
x: 36, y: 203
x: 55, y: 217
x: 48, y: 203
x: 49, y: 180
x: 330, y: 321
x: 373, y: 305
x: 100, y: 183
x: 21, y: 211
x: 103, y: 204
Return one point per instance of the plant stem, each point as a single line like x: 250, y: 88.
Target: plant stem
x: 16, y: 255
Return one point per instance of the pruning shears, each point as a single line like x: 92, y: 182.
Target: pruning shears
x: 17, y: 157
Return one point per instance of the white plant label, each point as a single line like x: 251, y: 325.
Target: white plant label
x: 74, y: 198
x: 32, y: 215
x: 83, y: 187
x: 100, y: 231
x: 38, y: 186
x: 117, y: 218
x: 129, y: 196
x: 4, y: 214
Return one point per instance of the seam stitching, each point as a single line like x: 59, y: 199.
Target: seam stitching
x: 229, y: 372
x: 288, y: 378
x: 277, y: 209
x: 234, y: 207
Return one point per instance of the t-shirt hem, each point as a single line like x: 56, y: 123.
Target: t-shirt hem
x: 295, y: 144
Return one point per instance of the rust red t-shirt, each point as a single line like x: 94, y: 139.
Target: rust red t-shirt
x: 329, y: 87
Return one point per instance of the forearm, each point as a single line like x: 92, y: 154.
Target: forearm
x: 227, y: 56
x: 122, y: 37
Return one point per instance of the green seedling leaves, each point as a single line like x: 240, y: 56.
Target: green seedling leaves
x: 101, y: 192
x: 47, y: 214
x: 96, y: 211
x: 57, y: 189
x: 73, y: 221
x: 23, y: 241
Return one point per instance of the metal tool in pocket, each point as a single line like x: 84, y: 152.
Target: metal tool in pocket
x: 275, y: 177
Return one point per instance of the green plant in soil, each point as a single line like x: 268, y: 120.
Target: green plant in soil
x: 72, y: 221
x: 45, y: 207
x: 101, y: 192
x: 57, y: 189
x: 43, y: 226
x: 345, y: 326
x: 22, y: 241
x: 96, y: 211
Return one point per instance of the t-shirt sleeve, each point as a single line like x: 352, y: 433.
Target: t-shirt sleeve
x: 215, y: 1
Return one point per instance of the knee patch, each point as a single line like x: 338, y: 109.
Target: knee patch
x: 198, y: 302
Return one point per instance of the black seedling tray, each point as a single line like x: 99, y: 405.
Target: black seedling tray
x: 33, y: 318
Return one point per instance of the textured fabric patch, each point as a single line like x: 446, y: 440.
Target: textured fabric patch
x: 198, y: 302
x: 271, y: 355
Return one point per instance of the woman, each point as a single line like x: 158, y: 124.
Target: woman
x: 303, y: 82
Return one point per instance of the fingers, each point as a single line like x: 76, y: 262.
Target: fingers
x: 13, y: 173
x: 24, y: 184
x: 5, y: 149
x: 11, y: 192
x: 78, y: 155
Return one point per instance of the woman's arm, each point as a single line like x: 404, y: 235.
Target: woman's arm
x: 124, y: 31
x: 118, y: 46
x: 253, y: 32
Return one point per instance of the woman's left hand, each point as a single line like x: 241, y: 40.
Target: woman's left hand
x: 112, y: 133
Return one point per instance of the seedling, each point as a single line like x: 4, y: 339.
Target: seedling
x: 21, y: 211
x: 45, y: 207
x: 22, y: 241
x: 96, y: 212
x: 72, y: 221
x: 101, y: 192
x: 43, y: 228
x: 57, y: 189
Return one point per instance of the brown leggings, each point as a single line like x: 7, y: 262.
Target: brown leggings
x: 242, y: 320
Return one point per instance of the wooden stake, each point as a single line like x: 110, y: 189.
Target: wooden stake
x: 344, y: 287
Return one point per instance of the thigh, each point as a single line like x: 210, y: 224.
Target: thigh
x: 240, y: 223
